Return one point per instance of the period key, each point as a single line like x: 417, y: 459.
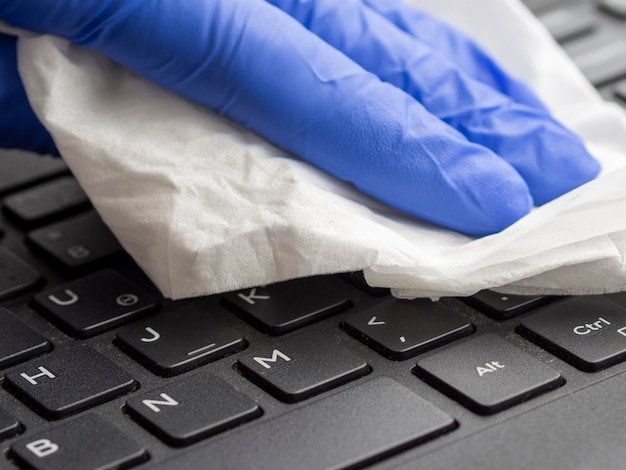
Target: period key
x: 399, y: 329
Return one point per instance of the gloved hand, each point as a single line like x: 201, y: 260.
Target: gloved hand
x: 404, y: 107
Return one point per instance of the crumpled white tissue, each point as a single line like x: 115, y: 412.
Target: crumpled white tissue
x: 204, y: 206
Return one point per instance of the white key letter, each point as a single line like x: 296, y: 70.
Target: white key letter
x: 42, y: 447
x: 72, y: 298
x: 167, y: 401
x: 275, y: 355
x: 44, y: 373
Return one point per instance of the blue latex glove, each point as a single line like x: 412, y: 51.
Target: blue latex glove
x: 19, y: 128
x: 404, y: 107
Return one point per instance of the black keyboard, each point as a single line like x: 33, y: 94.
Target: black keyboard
x: 99, y: 371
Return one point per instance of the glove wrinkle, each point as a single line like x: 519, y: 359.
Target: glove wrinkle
x: 481, y: 113
x: 328, y: 95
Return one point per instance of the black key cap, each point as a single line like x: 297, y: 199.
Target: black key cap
x: 173, y: 342
x: 95, y: 303
x: 17, y: 341
x: 54, y: 199
x: 85, y: 442
x: 66, y: 382
x: 616, y: 8
x: 357, y: 279
x: 601, y: 62
x: 620, y: 90
x: 280, y: 308
x: 588, y: 332
x: 192, y: 409
x: 19, y: 169
x: 402, y: 329
x: 9, y: 426
x: 569, y: 22
x: 302, y: 366
x: 505, y: 306
x: 487, y: 374
x: 540, y: 5
x: 15, y: 275
x: 340, y: 431
x: 76, y: 242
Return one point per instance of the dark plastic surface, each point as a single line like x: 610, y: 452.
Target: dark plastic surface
x: 302, y: 366
x: 350, y: 428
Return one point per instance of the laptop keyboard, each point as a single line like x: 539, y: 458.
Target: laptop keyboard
x: 99, y: 371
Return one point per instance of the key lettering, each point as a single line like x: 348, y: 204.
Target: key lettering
x: 43, y: 373
x: 72, y: 298
x: 154, y: 336
x: 42, y: 447
x: 589, y: 327
x: 252, y: 296
x: 275, y: 355
x: 166, y: 401
x: 488, y: 367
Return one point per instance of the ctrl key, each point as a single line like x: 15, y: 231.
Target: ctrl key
x: 71, y: 446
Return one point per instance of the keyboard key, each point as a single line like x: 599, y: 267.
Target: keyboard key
x: 85, y: 442
x: 603, y: 62
x: 302, y: 366
x: 402, y: 329
x: 620, y: 90
x: 357, y: 279
x: 95, y: 303
x: 616, y: 8
x: 569, y: 22
x: 540, y: 5
x: 173, y: 342
x: 19, y: 169
x: 588, y: 332
x: 192, y: 409
x: 54, y: 199
x: 66, y: 382
x: 487, y: 374
x: 9, y: 426
x: 505, y: 306
x: 15, y: 275
x: 339, y: 431
x: 76, y: 242
x: 18, y: 342
x: 286, y: 306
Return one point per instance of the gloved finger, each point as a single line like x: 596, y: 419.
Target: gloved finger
x: 19, y: 127
x: 456, y: 47
x: 550, y: 158
x: 261, y: 68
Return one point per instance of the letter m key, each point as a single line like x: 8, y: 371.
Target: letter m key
x: 264, y: 361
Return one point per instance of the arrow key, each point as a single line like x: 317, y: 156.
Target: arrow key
x: 399, y: 329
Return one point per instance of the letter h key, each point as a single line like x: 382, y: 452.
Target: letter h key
x: 68, y: 381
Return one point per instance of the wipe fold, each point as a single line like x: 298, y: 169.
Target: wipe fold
x: 204, y: 206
